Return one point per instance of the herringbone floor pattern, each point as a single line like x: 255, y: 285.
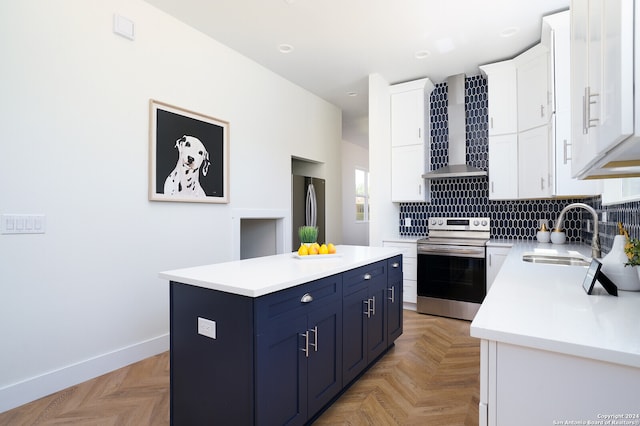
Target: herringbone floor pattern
x: 430, y: 378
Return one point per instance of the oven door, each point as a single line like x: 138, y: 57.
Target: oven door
x: 452, y: 272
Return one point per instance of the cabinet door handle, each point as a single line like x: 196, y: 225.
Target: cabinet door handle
x: 565, y: 148
x: 541, y: 111
x: 392, y: 289
x: 492, y: 187
x: 541, y: 183
x: 491, y: 122
x: 306, y: 344
x: 419, y: 189
x: 367, y: 312
x: 395, y: 264
x: 367, y: 276
x: 373, y: 306
x: 315, y: 338
x: 306, y: 298
x: 585, y: 129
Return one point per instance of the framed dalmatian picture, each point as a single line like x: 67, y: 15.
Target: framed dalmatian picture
x: 188, y: 156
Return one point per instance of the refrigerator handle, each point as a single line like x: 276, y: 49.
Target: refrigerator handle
x: 311, y: 206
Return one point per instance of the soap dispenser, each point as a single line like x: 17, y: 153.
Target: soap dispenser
x: 543, y: 234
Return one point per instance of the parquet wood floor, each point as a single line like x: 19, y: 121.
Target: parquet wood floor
x: 430, y: 377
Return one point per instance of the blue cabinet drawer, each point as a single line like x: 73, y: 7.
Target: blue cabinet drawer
x: 355, y: 279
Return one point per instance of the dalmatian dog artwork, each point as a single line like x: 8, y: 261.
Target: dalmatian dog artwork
x: 184, y: 180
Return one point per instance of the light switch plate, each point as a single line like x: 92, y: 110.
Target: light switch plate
x: 22, y: 224
x: 124, y: 27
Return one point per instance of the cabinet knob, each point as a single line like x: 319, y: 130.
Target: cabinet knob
x: 367, y: 276
x: 306, y: 298
x: 395, y: 264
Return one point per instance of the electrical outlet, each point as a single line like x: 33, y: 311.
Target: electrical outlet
x: 207, y: 327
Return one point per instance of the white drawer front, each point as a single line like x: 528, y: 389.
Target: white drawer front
x: 410, y: 268
x: 408, y: 249
x: 410, y: 289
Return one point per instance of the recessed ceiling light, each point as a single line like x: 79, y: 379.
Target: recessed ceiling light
x: 509, y: 31
x: 421, y: 54
x: 352, y: 94
x: 285, y: 48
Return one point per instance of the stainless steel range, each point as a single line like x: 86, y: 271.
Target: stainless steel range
x: 452, y: 267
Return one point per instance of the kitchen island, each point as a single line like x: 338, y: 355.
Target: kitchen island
x: 550, y: 353
x: 274, y: 340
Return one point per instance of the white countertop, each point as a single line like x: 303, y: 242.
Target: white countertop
x: 545, y: 307
x: 263, y: 275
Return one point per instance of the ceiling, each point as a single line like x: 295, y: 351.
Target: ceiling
x: 336, y: 44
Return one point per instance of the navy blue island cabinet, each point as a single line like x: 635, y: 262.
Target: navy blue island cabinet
x: 281, y: 358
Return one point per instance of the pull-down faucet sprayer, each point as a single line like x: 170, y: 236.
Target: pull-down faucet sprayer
x: 595, y: 241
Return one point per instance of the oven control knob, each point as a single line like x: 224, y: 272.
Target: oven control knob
x: 484, y: 223
x: 433, y: 221
x: 476, y: 222
x: 441, y: 222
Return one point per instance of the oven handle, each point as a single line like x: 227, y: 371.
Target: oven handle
x: 452, y: 251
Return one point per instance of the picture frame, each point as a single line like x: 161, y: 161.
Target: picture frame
x: 188, y: 155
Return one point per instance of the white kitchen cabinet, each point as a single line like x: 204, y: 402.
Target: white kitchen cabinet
x: 409, y: 124
x: 534, y: 106
x: 556, y: 34
x: 503, y: 167
x: 534, y: 171
x: 602, y: 86
x: 407, y: 115
x: 526, y: 386
x: 502, y: 97
x: 409, y: 270
x: 495, y: 258
x: 407, y: 166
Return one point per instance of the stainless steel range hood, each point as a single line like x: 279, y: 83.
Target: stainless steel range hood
x: 457, y: 166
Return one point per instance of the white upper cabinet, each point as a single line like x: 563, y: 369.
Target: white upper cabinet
x: 407, y: 116
x: 409, y: 125
x: 503, y: 167
x: 556, y: 35
x: 533, y: 88
x: 502, y: 88
x: 534, y: 171
x: 602, y: 87
x: 502, y: 97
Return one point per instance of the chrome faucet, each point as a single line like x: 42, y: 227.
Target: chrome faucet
x: 595, y: 241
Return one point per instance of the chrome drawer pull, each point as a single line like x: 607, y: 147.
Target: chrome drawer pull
x: 306, y: 344
x: 306, y: 298
x: 367, y: 312
x: 315, y: 339
x: 392, y: 289
x: 367, y: 276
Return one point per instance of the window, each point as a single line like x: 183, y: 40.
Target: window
x: 362, y: 195
x: 617, y: 191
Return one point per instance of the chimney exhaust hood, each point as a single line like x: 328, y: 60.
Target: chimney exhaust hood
x: 457, y: 166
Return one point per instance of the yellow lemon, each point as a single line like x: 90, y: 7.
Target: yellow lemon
x: 323, y: 249
x: 313, y: 250
x: 317, y: 246
x: 303, y: 251
x: 331, y: 248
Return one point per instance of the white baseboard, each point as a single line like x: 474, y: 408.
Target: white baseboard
x: 20, y: 393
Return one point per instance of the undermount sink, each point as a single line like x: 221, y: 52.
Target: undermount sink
x: 555, y: 259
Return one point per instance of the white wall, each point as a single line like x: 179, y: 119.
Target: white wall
x: 384, y: 213
x: 353, y: 156
x: 84, y: 298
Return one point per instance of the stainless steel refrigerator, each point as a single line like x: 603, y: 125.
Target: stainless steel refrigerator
x: 308, y: 201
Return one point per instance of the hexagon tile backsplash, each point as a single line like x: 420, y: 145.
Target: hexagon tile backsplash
x: 467, y: 197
